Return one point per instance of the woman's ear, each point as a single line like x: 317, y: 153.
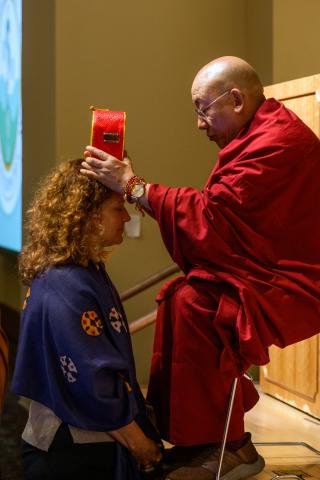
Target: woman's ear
x: 238, y: 100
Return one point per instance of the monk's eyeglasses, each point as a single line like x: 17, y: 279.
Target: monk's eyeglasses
x: 201, y: 112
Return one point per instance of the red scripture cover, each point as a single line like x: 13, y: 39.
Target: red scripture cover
x: 108, y: 130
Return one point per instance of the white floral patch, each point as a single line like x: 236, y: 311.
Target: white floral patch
x: 68, y: 368
x: 116, y: 320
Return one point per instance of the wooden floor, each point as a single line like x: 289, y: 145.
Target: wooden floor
x: 273, y: 421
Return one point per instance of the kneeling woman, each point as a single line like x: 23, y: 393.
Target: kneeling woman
x: 87, y: 416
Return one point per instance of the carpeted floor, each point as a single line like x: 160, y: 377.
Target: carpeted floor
x: 13, y: 420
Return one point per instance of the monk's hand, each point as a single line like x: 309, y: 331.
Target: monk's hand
x: 107, y: 169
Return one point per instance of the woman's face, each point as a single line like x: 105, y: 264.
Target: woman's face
x: 113, y: 217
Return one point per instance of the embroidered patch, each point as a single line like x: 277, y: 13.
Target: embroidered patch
x: 68, y: 368
x: 25, y: 303
x: 91, y: 323
x: 116, y: 320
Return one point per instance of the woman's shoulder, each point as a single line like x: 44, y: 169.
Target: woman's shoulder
x: 67, y: 286
x: 64, y: 277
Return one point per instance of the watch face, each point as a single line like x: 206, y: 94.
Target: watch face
x: 138, y: 190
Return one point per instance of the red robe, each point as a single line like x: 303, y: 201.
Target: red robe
x: 255, y: 229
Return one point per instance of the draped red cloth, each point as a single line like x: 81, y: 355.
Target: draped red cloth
x: 187, y: 388
x: 256, y: 229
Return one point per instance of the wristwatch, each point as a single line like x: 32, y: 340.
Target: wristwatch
x: 135, y: 189
x: 138, y: 189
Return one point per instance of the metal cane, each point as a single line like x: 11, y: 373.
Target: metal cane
x: 225, y: 434
x: 226, y: 426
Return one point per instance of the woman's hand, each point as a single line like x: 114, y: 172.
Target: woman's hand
x: 146, y: 452
x: 143, y: 449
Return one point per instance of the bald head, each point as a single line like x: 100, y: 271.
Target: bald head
x: 227, y: 93
x: 225, y: 73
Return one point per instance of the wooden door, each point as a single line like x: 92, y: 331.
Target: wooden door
x: 293, y: 374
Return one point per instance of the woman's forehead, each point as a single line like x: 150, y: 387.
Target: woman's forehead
x: 116, y: 198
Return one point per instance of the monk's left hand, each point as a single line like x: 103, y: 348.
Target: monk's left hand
x: 107, y: 169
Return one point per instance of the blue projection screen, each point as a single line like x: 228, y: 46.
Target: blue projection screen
x: 10, y: 125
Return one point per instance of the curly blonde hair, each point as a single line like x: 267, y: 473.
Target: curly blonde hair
x: 63, y: 223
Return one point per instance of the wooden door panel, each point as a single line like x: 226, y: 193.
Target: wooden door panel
x: 293, y: 373
x: 305, y: 107
x: 302, y: 96
x: 295, y: 368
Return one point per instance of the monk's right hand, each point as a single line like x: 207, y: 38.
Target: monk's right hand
x: 107, y: 169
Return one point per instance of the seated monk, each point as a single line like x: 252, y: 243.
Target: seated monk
x: 249, y: 248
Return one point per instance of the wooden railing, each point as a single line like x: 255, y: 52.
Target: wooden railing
x: 143, y: 322
x: 149, y: 282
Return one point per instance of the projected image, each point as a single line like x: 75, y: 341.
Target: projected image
x: 10, y: 124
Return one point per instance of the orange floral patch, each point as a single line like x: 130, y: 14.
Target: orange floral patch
x: 91, y: 323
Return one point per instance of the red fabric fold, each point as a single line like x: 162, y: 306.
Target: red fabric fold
x: 187, y: 388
